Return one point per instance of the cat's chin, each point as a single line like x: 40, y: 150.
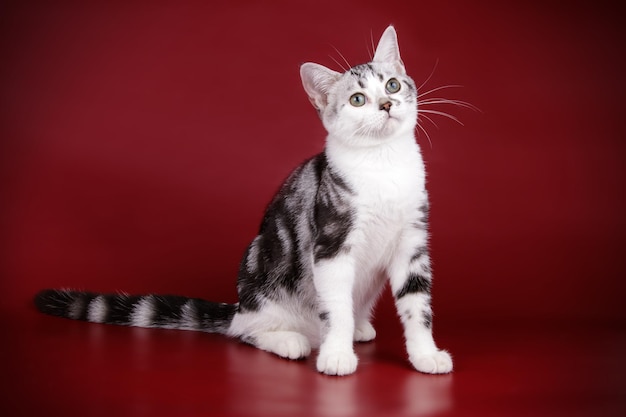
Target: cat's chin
x: 391, y: 129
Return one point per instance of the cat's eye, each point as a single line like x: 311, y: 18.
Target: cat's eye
x: 393, y: 86
x: 357, y: 99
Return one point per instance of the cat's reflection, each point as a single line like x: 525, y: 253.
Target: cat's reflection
x: 276, y: 387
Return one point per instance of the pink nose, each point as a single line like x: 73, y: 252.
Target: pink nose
x: 386, y: 106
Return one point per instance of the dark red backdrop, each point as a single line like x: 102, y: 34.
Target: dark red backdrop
x: 141, y: 143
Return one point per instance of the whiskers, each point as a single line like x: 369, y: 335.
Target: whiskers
x: 371, y: 53
x: 343, y: 58
x: 426, y: 99
x: 365, y: 130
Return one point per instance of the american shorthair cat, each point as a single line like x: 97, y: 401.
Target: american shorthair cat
x: 343, y: 224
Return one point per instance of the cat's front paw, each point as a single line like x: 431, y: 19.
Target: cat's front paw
x: 439, y: 362
x: 336, y: 362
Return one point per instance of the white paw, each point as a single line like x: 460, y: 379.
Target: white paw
x: 439, y: 362
x: 336, y: 362
x: 290, y: 345
x: 364, y: 332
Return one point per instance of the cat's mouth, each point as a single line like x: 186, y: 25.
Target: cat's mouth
x: 386, y: 126
x: 390, y: 119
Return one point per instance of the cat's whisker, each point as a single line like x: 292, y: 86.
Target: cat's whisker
x: 370, y: 53
x: 437, y: 89
x: 418, y: 125
x: 430, y: 76
x: 363, y: 130
x: 338, y: 63
x: 420, y: 114
x: 444, y: 114
x: 438, y: 100
x: 342, y: 57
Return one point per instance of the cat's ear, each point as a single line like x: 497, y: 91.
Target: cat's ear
x: 317, y: 80
x: 388, y: 50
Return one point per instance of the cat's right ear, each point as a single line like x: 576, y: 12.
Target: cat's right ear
x: 317, y: 80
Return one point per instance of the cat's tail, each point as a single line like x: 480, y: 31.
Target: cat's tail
x: 159, y: 311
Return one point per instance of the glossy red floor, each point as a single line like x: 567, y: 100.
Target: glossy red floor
x: 57, y: 367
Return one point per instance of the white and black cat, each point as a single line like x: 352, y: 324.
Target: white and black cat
x: 343, y: 223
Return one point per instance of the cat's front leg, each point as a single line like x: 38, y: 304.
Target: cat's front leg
x: 334, y: 279
x: 410, y: 277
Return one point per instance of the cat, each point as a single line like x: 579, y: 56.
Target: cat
x: 344, y: 223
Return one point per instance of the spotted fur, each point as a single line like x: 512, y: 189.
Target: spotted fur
x: 343, y: 224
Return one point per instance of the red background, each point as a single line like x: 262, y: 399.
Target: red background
x: 141, y: 142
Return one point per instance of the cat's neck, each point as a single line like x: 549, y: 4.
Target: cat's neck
x: 399, y: 151
x: 391, y: 172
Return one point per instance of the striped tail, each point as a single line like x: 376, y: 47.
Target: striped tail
x: 159, y: 311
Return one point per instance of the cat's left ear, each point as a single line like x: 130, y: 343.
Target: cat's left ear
x: 388, y: 50
x: 317, y: 80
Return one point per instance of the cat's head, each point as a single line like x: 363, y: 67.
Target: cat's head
x: 368, y: 104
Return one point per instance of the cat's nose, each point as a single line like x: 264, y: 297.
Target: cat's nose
x: 385, y: 106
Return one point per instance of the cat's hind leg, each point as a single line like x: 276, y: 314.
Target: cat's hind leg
x: 364, y: 332
x: 274, y: 329
x: 366, y: 297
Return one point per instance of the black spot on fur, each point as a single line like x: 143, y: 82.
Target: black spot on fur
x: 415, y: 283
x: 119, y: 308
x: 249, y: 340
x: 428, y: 320
x: 407, y: 315
x: 420, y: 252
x: 333, y: 216
x: 213, y: 317
x: 424, y: 213
x: 247, y: 282
x: 64, y: 303
x: 360, y: 71
x: 85, y: 299
x: 425, y: 210
x: 309, y: 212
x: 167, y: 309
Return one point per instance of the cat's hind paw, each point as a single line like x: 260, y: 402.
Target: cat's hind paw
x: 337, y: 362
x: 364, y: 332
x: 439, y: 362
x: 291, y: 345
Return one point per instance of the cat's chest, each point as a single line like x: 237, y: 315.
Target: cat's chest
x: 387, y: 192
x: 387, y: 187
x: 385, y: 201
x: 385, y: 204
x: 383, y: 209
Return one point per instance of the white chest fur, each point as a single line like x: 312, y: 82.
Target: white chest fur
x: 388, y: 182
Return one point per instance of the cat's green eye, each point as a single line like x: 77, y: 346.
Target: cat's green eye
x: 357, y: 99
x: 393, y: 86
